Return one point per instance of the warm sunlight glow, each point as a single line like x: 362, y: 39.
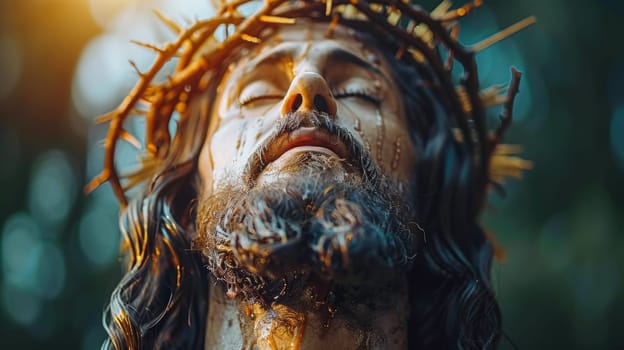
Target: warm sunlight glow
x: 105, y: 11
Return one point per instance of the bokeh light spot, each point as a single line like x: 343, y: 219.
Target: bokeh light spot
x: 100, y: 75
x: 21, y: 248
x: 52, y: 188
x: 105, y: 11
x: 617, y: 136
x: 11, y: 152
x: 98, y: 236
x: 615, y: 90
x: 188, y: 9
x: 23, y: 307
x: 93, y: 337
x: 103, y: 75
x: 50, y: 272
x: 10, y: 63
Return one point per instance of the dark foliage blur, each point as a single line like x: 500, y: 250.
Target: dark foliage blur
x: 560, y: 283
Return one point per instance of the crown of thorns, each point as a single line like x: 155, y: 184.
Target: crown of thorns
x: 416, y: 32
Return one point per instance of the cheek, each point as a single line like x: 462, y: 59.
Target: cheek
x: 230, y: 147
x: 224, y: 144
x: 384, y: 134
x: 399, y: 150
x: 219, y: 156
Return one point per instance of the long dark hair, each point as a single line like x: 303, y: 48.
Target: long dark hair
x: 453, y: 305
x: 161, y: 302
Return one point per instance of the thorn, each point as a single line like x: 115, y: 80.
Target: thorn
x: 250, y: 38
x: 377, y: 8
x: 393, y: 17
x: 138, y: 111
x: 147, y: 99
x: 492, y: 96
x: 97, y: 181
x: 105, y: 118
x: 128, y: 137
x: 328, y: 7
x: 503, y: 34
x: 173, y: 26
x: 276, y: 19
x: 216, y: 4
x: 332, y: 25
x: 417, y: 56
x: 399, y: 53
x: 455, y: 31
x: 136, y: 68
x: 152, y: 149
x: 147, y: 46
x: 441, y: 9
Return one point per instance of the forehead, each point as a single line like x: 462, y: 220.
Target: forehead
x: 317, y: 34
x: 309, y: 41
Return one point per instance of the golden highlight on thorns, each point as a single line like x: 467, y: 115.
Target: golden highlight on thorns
x: 277, y: 19
x: 504, y: 34
x: 251, y: 39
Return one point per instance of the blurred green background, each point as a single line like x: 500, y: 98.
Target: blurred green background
x: 62, y: 62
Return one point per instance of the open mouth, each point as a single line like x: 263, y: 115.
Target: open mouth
x: 317, y: 135
x: 306, y: 139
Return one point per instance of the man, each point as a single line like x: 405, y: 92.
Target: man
x: 322, y: 187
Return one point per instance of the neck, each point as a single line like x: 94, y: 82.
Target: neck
x: 363, y: 324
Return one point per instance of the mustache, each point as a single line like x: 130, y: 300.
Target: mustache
x: 358, y: 157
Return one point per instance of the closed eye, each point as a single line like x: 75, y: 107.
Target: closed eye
x: 363, y: 94
x: 251, y: 99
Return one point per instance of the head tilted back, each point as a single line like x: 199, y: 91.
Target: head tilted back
x: 161, y: 299
x: 418, y: 37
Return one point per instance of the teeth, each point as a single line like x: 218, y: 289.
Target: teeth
x: 305, y: 139
x: 298, y: 149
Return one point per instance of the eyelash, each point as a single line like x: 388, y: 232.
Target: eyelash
x: 360, y: 93
x: 254, y: 98
x: 365, y: 94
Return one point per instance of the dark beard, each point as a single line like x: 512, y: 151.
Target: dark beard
x: 308, y: 226
x: 323, y: 221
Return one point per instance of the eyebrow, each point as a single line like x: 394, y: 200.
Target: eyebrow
x: 271, y: 59
x: 336, y: 54
x: 342, y: 55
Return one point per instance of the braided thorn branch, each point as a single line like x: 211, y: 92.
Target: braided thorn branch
x: 470, y: 79
x: 161, y: 109
x: 118, y: 116
x: 440, y: 31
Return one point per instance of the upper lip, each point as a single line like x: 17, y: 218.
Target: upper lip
x: 302, y: 136
x: 305, y: 136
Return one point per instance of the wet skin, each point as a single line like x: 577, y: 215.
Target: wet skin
x: 300, y: 69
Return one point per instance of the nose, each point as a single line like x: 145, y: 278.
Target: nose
x: 309, y: 92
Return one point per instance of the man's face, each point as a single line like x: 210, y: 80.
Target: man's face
x: 299, y: 71
x: 304, y: 200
